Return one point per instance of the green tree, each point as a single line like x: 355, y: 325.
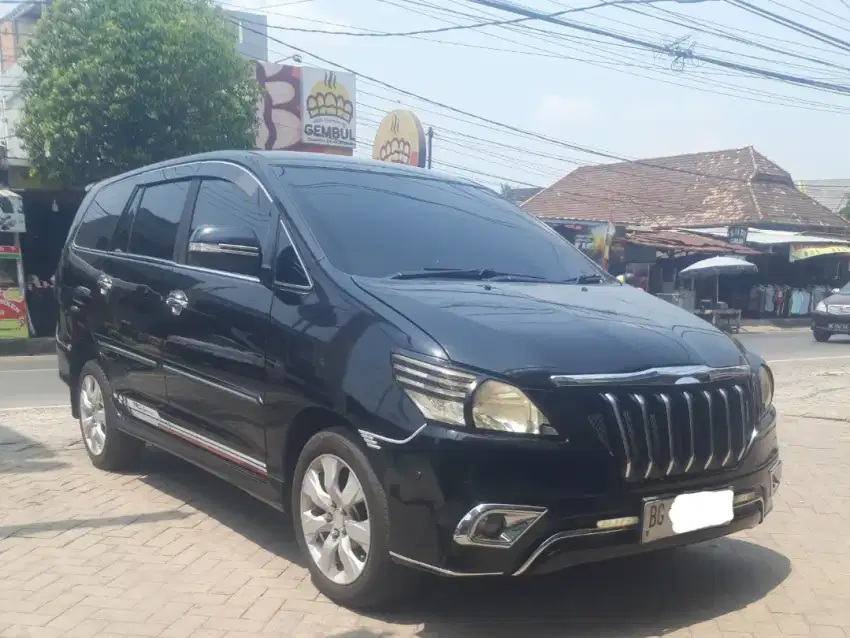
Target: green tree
x: 845, y: 212
x: 112, y: 85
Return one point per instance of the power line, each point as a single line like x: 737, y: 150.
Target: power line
x: 675, y: 52
x: 791, y: 24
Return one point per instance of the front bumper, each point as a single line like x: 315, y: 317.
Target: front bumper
x: 426, y: 513
x: 831, y: 323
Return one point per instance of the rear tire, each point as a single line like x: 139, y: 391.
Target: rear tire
x: 109, y: 448
x: 821, y: 336
x: 341, y: 521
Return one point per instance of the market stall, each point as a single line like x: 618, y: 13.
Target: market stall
x: 719, y: 314
x: 14, y: 321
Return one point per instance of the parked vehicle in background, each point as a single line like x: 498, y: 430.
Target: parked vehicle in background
x: 426, y: 376
x: 832, y: 315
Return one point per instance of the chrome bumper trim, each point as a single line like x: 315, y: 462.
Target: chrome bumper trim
x: 439, y: 570
x: 465, y: 530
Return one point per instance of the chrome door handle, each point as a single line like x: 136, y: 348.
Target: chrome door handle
x: 104, y: 282
x: 177, y: 301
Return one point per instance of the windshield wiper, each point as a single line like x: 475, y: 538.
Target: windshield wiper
x: 475, y: 274
x: 587, y: 278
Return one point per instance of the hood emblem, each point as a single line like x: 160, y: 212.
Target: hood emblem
x: 686, y: 381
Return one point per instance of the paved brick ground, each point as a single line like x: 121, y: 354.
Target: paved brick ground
x: 173, y: 552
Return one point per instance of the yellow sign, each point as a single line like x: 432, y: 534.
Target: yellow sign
x: 400, y: 139
x: 807, y: 251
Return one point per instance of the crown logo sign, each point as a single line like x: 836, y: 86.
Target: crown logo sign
x: 332, y: 103
x: 396, y: 150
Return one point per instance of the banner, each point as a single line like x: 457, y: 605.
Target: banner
x: 807, y: 251
x: 13, y: 315
x: 592, y: 238
x: 327, y: 108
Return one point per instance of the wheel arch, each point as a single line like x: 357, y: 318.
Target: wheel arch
x: 309, y: 422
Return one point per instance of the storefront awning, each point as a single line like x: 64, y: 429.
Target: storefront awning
x: 799, y: 252
x: 684, y: 242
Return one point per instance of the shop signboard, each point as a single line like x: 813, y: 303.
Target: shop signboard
x: 737, y: 235
x: 299, y: 111
x: 807, y: 251
x: 13, y: 307
x: 400, y: 139
x: 12, y: 218
x: 327, y: 108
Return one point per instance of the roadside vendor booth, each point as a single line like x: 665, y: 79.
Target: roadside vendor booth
x: 14, y: 322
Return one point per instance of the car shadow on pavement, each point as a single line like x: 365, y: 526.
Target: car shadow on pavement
x: 22, y: 455
x: 647, y: 595
x: 642, y: 596
x: 223, y: 502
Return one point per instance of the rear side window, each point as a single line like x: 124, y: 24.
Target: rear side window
x: 101, y: 217
x: 155, y: 226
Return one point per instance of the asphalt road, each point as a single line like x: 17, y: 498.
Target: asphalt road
x: 34, y: 382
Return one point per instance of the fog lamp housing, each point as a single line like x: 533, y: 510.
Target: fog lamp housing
x: 498, y: 526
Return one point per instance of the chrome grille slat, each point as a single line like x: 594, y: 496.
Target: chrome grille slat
x: 690, y: 402
x: 710, y: 459
x: 645, y: 416
x: 725, y: 396
x: 702, y: 427
x: 612, y: 401
x: 743, y: 399
x: 669, y: 414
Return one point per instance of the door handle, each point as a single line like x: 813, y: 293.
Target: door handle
x: 177, y: 301
x: 104, y: 282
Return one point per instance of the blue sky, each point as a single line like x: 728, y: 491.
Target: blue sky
x: 619, y: 99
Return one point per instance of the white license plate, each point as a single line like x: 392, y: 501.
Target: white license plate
x: 665, y: 517
x: 839, y: 327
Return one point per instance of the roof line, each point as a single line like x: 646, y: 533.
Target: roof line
x: 750, y: 188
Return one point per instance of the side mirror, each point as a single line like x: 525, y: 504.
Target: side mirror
x: 230, y: 249
x: 835, y: 291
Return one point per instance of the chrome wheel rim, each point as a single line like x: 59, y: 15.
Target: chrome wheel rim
x: 335, y: 519
x: 92, y: 415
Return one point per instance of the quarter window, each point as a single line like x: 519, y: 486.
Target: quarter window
x: 155, y: 226
x: 288, y: 267
x: 101, y: 217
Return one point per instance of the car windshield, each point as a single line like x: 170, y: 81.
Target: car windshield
x: 376, y: 224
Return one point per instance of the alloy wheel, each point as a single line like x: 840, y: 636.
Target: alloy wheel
x: 92, y: 415
x: 335, y: 519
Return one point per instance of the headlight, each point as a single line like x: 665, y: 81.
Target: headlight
x: 440, y: 393
x: 504, y: 408
x: 821, y: 307
x: 766, y: 388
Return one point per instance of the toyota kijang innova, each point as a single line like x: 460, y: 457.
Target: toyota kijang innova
x: 427, y: 377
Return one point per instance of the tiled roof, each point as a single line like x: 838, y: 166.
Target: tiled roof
x: 679, y: 241
x: 702, y: 189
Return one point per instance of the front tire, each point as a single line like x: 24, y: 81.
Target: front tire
x: 821, y: 336
x: 109, y: 448
x: 341, y: 521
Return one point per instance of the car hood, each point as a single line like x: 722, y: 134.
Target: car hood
x: 839, y: 299
x: 519, y: 328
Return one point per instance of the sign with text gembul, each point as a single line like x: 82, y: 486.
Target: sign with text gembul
x: 327, y: 108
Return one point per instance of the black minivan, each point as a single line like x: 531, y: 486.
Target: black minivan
x: 427, y: 377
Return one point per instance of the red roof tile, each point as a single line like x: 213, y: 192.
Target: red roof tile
x: 698, y: 190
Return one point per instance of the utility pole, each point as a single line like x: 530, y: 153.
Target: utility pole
x: 430, y: 144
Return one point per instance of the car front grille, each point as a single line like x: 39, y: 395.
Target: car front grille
x: 672, y: 431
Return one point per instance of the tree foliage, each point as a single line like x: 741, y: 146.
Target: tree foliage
x: 112, y: 85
